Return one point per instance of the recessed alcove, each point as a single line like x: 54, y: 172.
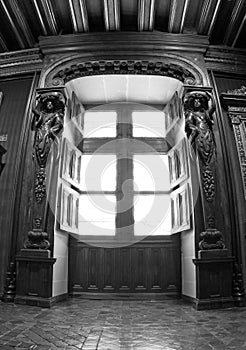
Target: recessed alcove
x: 139, y: 102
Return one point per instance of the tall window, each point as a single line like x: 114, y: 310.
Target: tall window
x: 123, y: 179
x: 125, y: 188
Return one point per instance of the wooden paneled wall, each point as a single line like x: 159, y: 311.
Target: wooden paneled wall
x: 231, y: 203
x: 12, y: 112
x: 147, y: 266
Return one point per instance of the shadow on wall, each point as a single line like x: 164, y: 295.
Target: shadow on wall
x: 2, y: 152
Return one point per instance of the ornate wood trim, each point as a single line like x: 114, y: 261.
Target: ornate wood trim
x: 235, y: 102
x: 199, y: 109
x: 19, y: 62
x: 89, y: 68
x: 47, y: 123
x: 225, y: 60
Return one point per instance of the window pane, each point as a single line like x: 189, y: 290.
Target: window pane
x: 97, y: 215
x: 148, y: 124
x: 98, y: 172
x: 151, y: 172
x: 152, y: 215
x: 100, y: 124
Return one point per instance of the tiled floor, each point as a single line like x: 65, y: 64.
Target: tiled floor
x: 143, y: 325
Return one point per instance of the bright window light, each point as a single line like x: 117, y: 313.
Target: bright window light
x: 100, y: 124
x: 148, y: 124
x: 150, y: 172
x: 98, y: 172
x: 152, y: 215
x: 97, y: 215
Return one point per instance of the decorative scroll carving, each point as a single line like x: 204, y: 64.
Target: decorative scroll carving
x: 241, y: 91
x: 39, y: 188
x: 36, y: 238
x: 211, y: 238
x: 239, y: 128
x: 47, y: 123
x: 123, y: 67
x: 208, y: 184
x: 199, y: 123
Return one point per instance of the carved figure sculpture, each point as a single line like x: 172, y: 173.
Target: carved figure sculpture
x: 211, y: 238
x: 199, y: 123
x: 47, y: 123
x: 36, y: 238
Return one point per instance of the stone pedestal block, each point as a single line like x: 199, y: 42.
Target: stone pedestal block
x: 34, y: 270
x: 214, y: 274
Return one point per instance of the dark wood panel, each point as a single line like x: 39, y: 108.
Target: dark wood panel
x: 141, y: 268
x: 109, y: 284
x: 94, y: 267
x: 124, y: 269
x: 12, y: 111
x: 156, y: 270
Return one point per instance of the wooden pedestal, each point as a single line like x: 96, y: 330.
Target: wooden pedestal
x: 214, y: 274
x: 34, y: 278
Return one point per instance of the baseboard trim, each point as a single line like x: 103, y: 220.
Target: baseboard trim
x: 125, y: 296
x: 38, y: 301
x: 214, y: 303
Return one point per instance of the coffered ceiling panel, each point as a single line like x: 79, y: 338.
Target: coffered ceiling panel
x: 23, y: 21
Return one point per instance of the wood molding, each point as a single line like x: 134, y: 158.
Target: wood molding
x: 13, y: 26
x: 22, y: 23
x: 79, y: 16
x: 123, y: 41
x: 20, y: 62
x: 234, y: 23
x: 224, y: 59
x: 50, y: 16
x: 111, y: 14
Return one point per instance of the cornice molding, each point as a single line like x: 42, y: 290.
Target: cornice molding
x: 124, y: 42
x: 225, y: 59
x: 19, y: 62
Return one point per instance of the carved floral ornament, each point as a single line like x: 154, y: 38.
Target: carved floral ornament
x: 241, y: 91
x: 90, y: 68
x: 234, y: 102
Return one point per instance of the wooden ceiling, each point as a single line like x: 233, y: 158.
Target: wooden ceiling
x: 23, y: 21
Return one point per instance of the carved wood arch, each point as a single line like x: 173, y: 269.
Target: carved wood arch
x: 63, y: 70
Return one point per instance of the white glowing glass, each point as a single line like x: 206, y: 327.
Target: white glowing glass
x: 148, y: 124
x: 152, y: 215
x: 100, y: 124
x: 150, y: 172
x: 97, y: 215
x: 98, y: 172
